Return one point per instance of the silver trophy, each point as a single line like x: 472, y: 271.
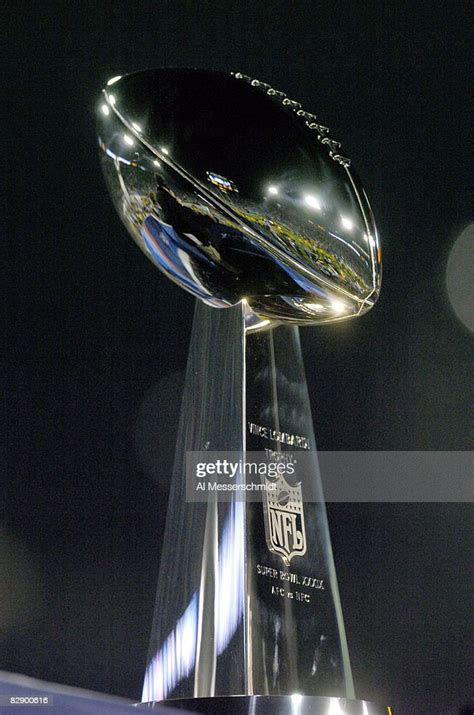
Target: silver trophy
x: 241, y: 197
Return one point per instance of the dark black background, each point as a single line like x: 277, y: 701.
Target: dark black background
x: 96, y: 339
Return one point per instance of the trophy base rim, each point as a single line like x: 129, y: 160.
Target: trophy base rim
x: 271, y: 705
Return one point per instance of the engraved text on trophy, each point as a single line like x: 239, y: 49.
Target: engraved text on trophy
x: 284, y: 520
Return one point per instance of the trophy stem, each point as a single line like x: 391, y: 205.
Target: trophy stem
x: 247, y: 601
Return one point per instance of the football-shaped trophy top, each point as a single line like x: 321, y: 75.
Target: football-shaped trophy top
x: 237, y: 193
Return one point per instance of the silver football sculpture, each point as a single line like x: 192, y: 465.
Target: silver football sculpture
x: 238, y: 194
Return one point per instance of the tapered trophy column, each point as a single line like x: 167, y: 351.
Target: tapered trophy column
x: 239, y: 196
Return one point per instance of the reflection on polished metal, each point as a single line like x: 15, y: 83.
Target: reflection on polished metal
x: 234, y: 615
x: 235, y: 192
x: 238, y: 195
x: 277, y: 705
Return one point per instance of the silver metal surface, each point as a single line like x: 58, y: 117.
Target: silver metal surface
x: 236, y: 614
x: 277, y: 705
x: 235, y: 192
x: 240, y: 196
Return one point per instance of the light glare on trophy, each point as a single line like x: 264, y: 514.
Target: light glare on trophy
x: 241, y: 197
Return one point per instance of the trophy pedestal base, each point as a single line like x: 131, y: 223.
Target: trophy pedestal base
x: 273, y: 705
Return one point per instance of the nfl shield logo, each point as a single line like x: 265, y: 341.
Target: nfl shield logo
x: 284, y: 519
